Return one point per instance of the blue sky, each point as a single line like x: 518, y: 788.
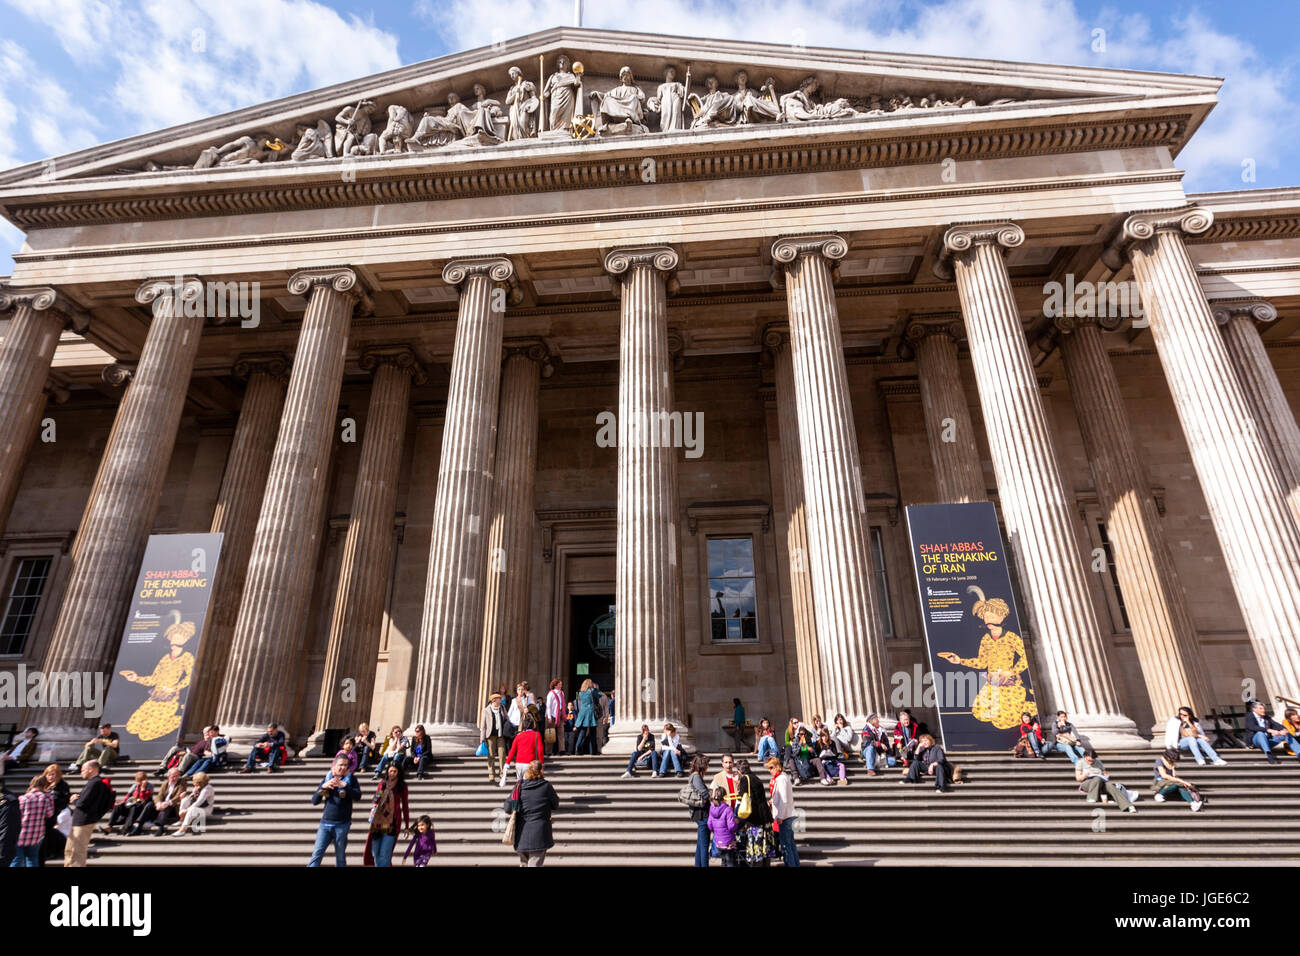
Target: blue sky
x: 78, y: 72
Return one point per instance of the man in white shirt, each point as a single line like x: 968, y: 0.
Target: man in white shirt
x: 555, y: 705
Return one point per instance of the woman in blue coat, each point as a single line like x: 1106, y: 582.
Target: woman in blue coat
x: 588, y: 713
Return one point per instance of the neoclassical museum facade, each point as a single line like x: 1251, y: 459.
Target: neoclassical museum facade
x: 619, y: 356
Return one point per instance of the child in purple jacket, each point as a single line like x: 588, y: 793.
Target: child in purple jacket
x: 723, y: 825
x: 423, y: 843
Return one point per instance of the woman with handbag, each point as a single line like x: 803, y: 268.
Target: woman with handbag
x: 700, y: 813
x: 530, y: 807
x: 390, y: 815
x: 755, y: 816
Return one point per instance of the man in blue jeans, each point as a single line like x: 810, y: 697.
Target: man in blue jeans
x: 338, y: 790
x: 1066, y: 738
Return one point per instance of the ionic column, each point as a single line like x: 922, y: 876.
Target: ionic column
x: 1168, y: 649
x: 1247, y: 502
x: 266, y: 649
x: 853, y: 656
x: 446, y: 697
x: 510, y: 530
x: 115, y: 526
x: 811, y: 701
x: 40, y: 316
x: 235, y: 517
x: 357, y: 622
x: 1240, y: 324
x: 1073, y: 672
x: 648, y: 646
x: 958, y: 473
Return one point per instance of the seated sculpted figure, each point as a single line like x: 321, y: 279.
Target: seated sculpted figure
x: 622, y: 109
x: 314, y: 142
x: 400, y: 127
x: 715, y: 108
x: 439, y: 130
x: 485, y: 117
x: 755, y: 106
x: 800, y: 106
x: 352, y: 130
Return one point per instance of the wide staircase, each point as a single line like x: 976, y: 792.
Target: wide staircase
x: 1011, y: 812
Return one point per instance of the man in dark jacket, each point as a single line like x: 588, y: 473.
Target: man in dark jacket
x: 269, y: 746
x: 95, y: 800
x: 337, y: 791
x: 1263, y: 731
x: 929, y: 761
x: 1065, y: 738
x: 11, y: 821
x: 537, y: 798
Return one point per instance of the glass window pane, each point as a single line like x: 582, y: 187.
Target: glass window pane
x: 23, y: 600
x: 733, y: 604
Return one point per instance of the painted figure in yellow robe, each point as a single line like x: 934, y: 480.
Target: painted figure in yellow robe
x: 160, y: 715
x: 1003, y: 699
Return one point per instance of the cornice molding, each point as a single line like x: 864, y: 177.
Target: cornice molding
x: 183, y: 200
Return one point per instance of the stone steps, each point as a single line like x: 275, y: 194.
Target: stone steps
x: 1011, y: 813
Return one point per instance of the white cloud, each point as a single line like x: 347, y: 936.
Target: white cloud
x: 36, y: 109
x: 174, y: 61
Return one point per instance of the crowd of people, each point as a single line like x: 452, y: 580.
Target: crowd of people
x: 741, y: 818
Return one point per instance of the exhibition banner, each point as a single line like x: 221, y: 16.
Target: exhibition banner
x: 979, y: 672
x: 155, y: 661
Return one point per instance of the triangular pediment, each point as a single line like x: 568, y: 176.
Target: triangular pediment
x: 851, y: 88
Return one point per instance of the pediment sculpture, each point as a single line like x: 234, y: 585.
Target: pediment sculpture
x: 555, y: 108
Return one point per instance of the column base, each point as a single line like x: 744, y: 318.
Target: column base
x: 453, y: 739
x: 315, y: 744
x: 1110, y: 732
x: 66, y: 740
x: 624, y: 734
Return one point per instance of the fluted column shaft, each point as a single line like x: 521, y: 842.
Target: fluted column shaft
x: 266, y: 651
x: 115, y: 527
x: 25, y: 356
x: 510, y: 531
x: 1247, y: 502
x: 1073, y: 673
x: 451, y: 631
x: 649, y: 643
x: 239, y: 502
x: 357, y: 622
x: 808, y: 656
x: 958, y: 473
x: 1268, y: 403
x: 854, y: 661
x: 1168, y: 649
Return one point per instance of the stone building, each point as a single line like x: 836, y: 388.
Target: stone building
x: 601, y: 371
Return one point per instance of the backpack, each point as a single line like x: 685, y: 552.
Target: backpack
x: 690, y: 797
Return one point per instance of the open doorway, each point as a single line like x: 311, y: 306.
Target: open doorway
x: 591, y: 639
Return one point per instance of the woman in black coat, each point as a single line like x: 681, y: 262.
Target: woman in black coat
x: 533, y: 800
x: 52, y: 845
x: 755, y: 832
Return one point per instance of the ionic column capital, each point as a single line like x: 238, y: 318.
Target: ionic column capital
x: 919, y: 328
x: 275, y: 364
x: 1065, y: 324
x: 42, y: 298
x: 776, y: 337
x: 532, y: 349
x: 623, y: 262
x: 1257, y: 311
x: 153, y: 292
x: 961, y: 238
x: 397, y: 356
x: 788, y: 249
x: 117, y: 374
x: 498, y: 269
x: 1141, y: 226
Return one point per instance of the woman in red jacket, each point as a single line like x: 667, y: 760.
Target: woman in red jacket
x: 526, y: 747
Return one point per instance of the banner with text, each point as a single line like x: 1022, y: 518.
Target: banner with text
x: 155, y: 662
x: 978, y: 668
